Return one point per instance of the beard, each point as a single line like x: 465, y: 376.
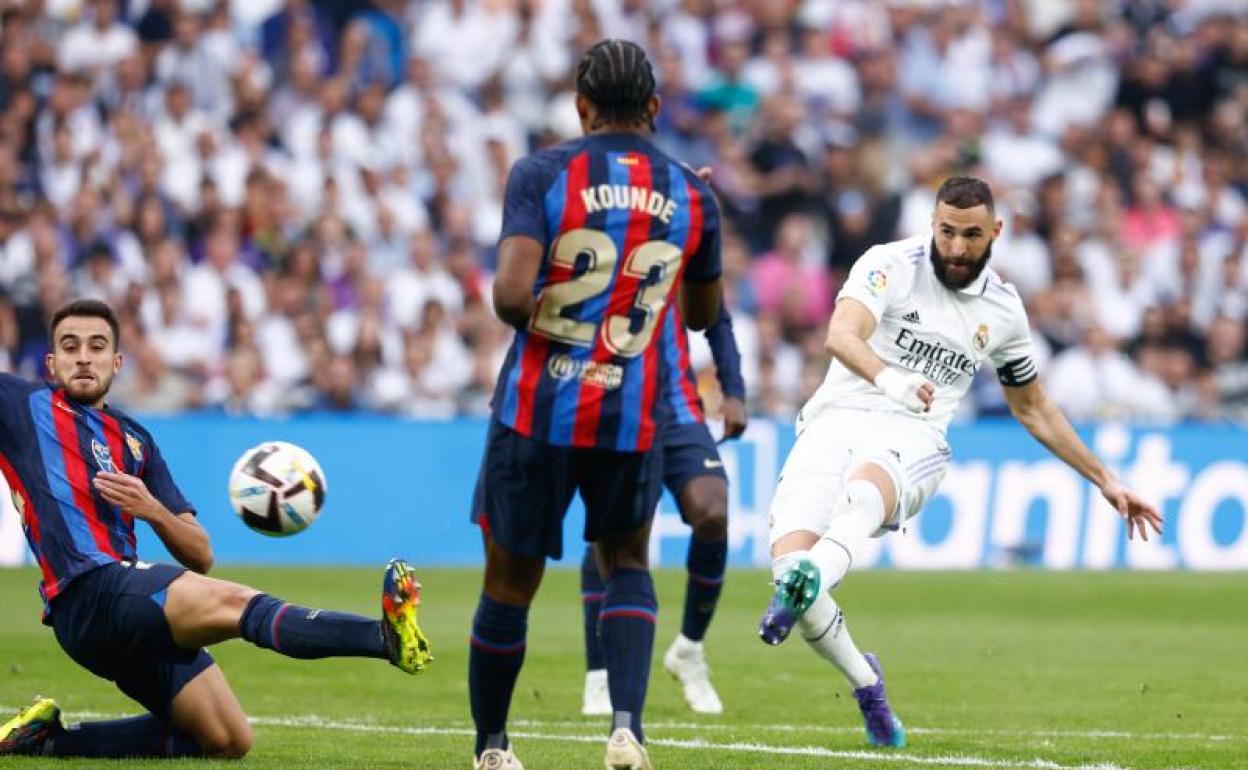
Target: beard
x: 83, y: 392
x: 975, y: 269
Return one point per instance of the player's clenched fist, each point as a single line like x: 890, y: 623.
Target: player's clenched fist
x: 910, y: 389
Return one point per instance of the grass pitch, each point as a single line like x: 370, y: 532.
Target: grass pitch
x: 1016, y: 669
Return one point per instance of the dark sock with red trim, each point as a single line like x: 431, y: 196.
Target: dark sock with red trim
x: 143, y: 736
x: 626, y: 626
x: 705, y: 563
x: 592, y: 593
x: 299, y: 632
x: 495, y: 655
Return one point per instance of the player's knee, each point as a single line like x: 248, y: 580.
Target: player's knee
x: 712, y: 525
x: 227, y: 741
x: 706, y: 508
x: 870, y: 483
x: 241, y: 740
x: 625, y: 554
x: 234, y: 598
x: 510, y: 578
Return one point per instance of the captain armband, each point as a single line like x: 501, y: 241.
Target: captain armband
x: 1017, y: 373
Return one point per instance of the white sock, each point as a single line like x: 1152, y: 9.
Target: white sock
x: 784, y: 562
x: 858, y: 514
x: 823, y: 628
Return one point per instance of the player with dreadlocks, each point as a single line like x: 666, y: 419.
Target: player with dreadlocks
x: 600, y: 236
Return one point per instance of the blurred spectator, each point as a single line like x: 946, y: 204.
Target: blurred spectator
x: 294, y: 204
x: 150, y: 385
x: 728, y: 91
x: 1228, y: 374
x: 790, y: 283
x: 785, y: 182
x: 98, y: 43
x: 1094, y: 380
x: 337, y: 390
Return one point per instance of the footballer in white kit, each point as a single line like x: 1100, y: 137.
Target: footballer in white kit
x: 913, y: 323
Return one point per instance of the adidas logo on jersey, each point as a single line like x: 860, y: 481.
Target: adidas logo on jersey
x: 912, y: 317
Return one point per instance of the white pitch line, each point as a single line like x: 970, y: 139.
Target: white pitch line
x: 950, y: 760
x: 954, y: 760
x: 834, y: 729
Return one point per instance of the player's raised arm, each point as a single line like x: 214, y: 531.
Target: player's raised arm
x: 851, y: 325
x: 1032, y: 407
x: 727, y: 359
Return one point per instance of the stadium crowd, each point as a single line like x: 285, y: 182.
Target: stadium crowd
x: 294, y: 205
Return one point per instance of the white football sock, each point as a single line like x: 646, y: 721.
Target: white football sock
x: 784, y: 562
x: 858, y: 514
x: 823, y: 628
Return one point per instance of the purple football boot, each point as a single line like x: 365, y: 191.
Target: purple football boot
x: 796, y: 591
x: 883, y: 726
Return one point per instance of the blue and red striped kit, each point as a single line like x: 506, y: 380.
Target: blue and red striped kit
x: 623, y: 226
x: 51, y: 447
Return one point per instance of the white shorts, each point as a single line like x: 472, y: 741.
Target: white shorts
x: 836, y: 441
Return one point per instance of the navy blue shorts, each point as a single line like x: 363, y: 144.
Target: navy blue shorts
x: 111, y: 621
x: 688, y: 452
x: 525, y: 486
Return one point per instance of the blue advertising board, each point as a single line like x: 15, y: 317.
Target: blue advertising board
x: 403, y: 488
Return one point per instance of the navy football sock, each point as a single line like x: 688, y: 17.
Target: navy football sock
x: 145, y: 736
x: 705, y: 563
x: 626, y: 625
x: 495, y: 656
x: 592, y: 589
x: 298, y: 632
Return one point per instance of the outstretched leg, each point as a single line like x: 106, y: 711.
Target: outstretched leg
x: 807, y: 566
x: 204, y: 611
x: 817, y: 563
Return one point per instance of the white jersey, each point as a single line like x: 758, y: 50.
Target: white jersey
x: 924, y: 327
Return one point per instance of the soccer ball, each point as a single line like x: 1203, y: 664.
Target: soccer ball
x: 277, y: 488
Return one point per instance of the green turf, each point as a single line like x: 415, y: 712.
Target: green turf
x: 1018, y: 668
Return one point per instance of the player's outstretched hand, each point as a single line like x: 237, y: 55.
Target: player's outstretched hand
x: 735, y: 417
x: 1133, y: 508
x: 128, y: 493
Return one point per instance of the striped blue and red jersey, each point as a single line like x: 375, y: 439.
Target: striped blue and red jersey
x: 622, y: 225
x: 51, y: 447
x: 684, y: 405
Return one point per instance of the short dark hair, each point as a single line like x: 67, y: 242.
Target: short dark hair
x: 86, y: 308
x: 965, y: 192
x: 616, y: 77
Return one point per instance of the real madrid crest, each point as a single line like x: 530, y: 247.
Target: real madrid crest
x: 981, y: 337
